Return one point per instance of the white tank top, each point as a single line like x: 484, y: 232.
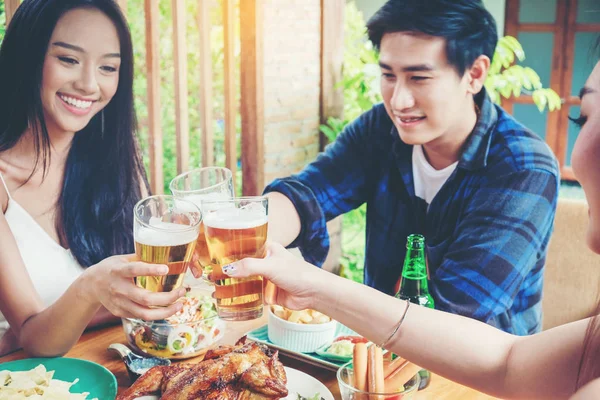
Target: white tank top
x: 51, y: 267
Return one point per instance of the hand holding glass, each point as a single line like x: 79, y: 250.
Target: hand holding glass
x: 165, y: 231
x: 236, y: 229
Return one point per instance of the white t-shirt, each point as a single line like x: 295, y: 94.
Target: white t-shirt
x: 428, y: 180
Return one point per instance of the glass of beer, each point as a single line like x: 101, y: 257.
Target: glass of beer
x: 210, y: 183
x: 236, y: 229
x: 165, y: 232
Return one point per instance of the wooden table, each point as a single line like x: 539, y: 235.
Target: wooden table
x: 92, y: 346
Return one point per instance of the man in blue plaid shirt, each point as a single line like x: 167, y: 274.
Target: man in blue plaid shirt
x: 440, y: 159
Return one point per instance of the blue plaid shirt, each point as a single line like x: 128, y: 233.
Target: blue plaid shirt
x: 487, y: 229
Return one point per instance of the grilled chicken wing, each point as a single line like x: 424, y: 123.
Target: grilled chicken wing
x: 244, y: 372
x: 155, y: 380
x: 266, y: 377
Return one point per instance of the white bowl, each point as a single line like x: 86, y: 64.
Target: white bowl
x: 301, y: 338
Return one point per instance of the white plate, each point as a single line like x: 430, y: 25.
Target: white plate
x: 299, y: 383
x: 304, y: 385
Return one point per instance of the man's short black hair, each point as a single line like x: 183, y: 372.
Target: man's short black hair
x: 469, y: 29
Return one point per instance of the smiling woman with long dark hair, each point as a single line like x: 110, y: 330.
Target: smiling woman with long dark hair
x: 102, y: 170
x: 70, y: 174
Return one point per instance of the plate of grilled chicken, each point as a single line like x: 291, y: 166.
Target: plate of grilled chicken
x: 245, y: 371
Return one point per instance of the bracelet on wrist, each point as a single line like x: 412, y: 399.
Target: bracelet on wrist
x: 382, y: 345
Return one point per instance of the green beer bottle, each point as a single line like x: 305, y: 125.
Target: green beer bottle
x: 414, y: 286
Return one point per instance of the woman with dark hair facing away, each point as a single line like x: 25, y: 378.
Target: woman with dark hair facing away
x: 70, y: 175
x: 560, y: 363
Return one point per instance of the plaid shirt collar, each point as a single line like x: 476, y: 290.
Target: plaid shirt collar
x: 477, y: 146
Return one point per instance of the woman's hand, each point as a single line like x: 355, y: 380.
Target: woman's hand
x: 111, y: 283
x: 295, y: 279
x: 195, y: 267
x: 589, y: 392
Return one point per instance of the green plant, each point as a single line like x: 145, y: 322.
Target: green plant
x: 2, y: 22
x: 333, y: 128
x: 360, y: 85
x: 360, y: 81
x: 353, y: 244
x: 508, y: 80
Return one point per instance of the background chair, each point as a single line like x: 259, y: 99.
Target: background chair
x: 572, y: 276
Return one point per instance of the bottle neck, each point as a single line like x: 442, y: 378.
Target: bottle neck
x: 414, y: 273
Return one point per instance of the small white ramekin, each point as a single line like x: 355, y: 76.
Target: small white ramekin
x: 301, y: 338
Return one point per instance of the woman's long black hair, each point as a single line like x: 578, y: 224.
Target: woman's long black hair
x: 103, y: 173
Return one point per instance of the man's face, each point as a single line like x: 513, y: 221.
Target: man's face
x: 422, y: 93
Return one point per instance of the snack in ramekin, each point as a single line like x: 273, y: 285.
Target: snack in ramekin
x: 300, y: 331
x: 307, y: 316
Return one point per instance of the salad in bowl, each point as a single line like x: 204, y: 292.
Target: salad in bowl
x: 188, y: 333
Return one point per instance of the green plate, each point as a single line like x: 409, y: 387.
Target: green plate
x: 336, y: 357
x: 93, y: 378
x: 261, y: 335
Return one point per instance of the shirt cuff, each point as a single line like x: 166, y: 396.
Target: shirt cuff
x: 313, y: 240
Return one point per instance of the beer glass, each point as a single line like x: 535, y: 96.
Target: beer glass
x: 210, y: 183
x: 236, y: 229
x: 165, y: 232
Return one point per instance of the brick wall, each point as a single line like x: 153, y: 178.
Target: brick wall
x: 292, y: 30
x: 292, y: 78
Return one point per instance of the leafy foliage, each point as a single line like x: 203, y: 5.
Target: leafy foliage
x: 361, y: 69
x: 2, y: 22
x: 360, y: 85
x: 506, y: 79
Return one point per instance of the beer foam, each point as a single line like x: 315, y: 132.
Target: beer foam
x: 169, y: 234
x: 186, y: 206
x: 237, y: 218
